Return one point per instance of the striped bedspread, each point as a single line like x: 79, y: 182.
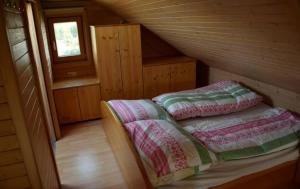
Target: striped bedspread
x: 167, y: 151
x: 170, y: 152
x: 273, y: 130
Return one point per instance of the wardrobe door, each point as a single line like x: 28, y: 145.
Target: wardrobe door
x: 131, y: 61
x: 109, y: 59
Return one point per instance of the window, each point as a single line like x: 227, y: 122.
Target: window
x: 67, y: 39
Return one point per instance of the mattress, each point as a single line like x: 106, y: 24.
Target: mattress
x: 230, y: 170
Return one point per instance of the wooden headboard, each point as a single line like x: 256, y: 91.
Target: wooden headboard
x: 274, y: 96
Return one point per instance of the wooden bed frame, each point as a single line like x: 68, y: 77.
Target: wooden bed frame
x: 282, y: 176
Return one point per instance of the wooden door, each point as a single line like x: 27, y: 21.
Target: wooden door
x: 183, y: 76
x: 131, y: 61
x: 67, y: 105
x: 108, y: 51
x: 156, y: 80
x: 89, y: 101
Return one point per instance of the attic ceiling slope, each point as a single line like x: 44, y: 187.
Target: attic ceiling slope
x: 255, y: 38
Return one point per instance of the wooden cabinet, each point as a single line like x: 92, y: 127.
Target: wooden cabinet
x: 67, y: 105
x: 183, y: 76
x: 89, y: 102
x: 156, y: 80
x: 162, y: 75
x: 77, y: 103
x: 118, y: 58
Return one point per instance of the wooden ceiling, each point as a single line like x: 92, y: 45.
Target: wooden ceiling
x: 259, y: 39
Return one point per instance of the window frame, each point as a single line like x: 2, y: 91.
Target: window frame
x: 80, y: 29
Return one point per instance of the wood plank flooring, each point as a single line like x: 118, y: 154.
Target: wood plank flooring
x: 85, y: 159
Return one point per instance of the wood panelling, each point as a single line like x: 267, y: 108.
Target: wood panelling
x: 12, y: 122
x: 11, y: 157
x: 273, y: 95
x: 46, y: 61
x: 7, y: 127
x: 8, y: 143
x: 153, y: 46
x: 11, y: 171
x: 39, y: 72
x: 24, y: 102
x: 11, y: 160
x: 255, y: 38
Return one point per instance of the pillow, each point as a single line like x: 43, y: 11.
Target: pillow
x: 167, y: 151
x: 220, y: 98
x: 134, y: 110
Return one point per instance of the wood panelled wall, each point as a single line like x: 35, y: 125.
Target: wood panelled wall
x: 255, y: 38
x: 12, y: 168
x: 273, y: 95
x: 23, y: 71
x: 153, y: 46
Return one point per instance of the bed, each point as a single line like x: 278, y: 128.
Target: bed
x: 257, y: 172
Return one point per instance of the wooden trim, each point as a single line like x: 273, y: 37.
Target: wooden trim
x: 167, y: 60
x: 83, y: 67
x: 267, y: 179
x: 56, y: 58
x: 14, y: 101
x: 124, y: 151
x: 78, y: 82
x: 36, y: 8
x: 39, y: 85
x: 135, y: 174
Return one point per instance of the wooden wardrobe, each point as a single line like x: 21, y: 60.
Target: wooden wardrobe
x: 118, y: 58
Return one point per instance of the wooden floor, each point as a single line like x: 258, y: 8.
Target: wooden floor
x: 85, y: 160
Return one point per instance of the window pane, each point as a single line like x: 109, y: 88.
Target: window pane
x: 67, y: 41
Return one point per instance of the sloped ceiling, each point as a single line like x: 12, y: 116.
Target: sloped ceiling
x: 259, y: 39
